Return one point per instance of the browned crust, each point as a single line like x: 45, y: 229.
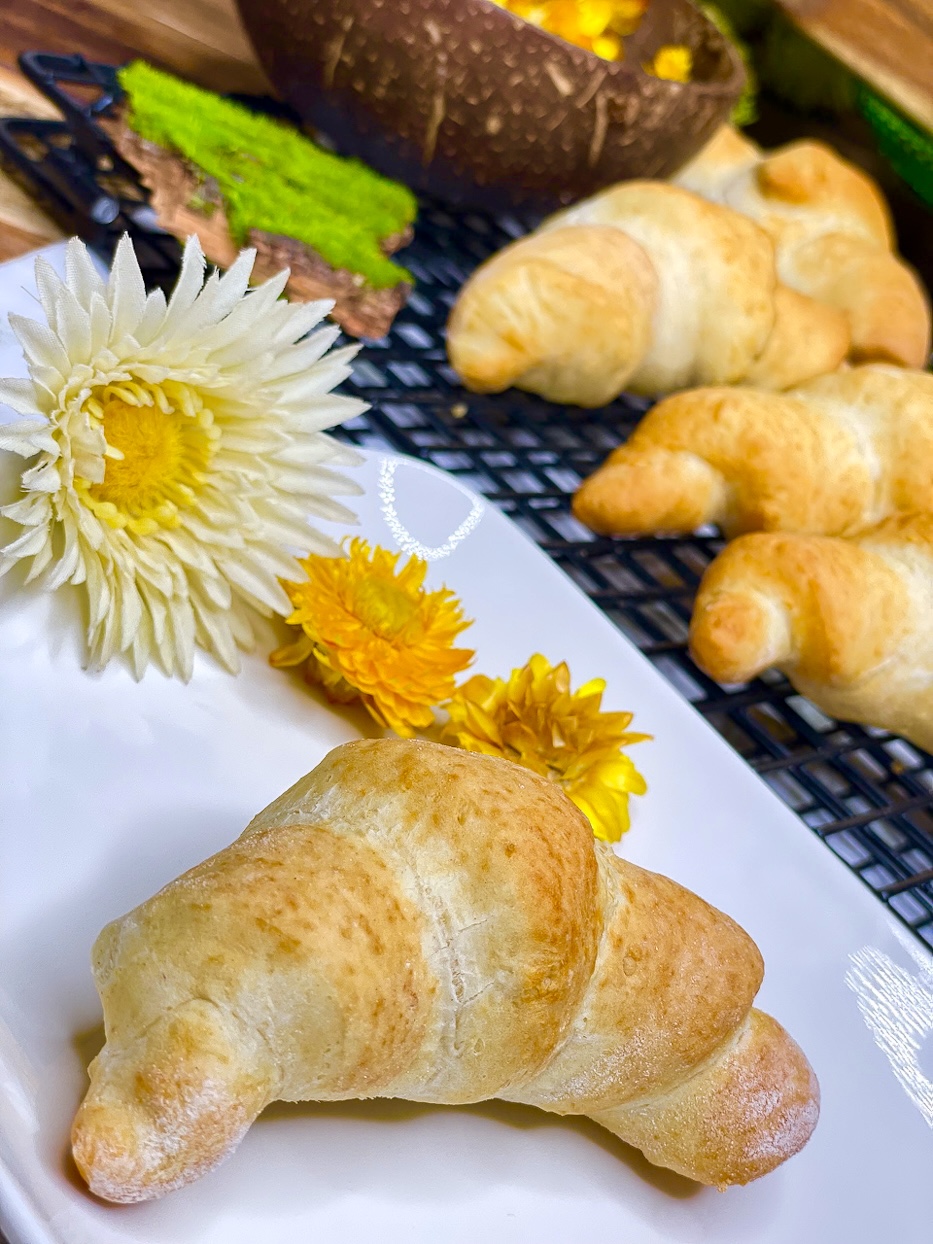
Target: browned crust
x: 846, y: 608
x: 185, y: 202
x: 411, y: 920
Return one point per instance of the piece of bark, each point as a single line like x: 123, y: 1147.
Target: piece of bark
x: 186, y: 202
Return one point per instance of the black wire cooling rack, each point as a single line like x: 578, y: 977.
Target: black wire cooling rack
x: 866, y: 794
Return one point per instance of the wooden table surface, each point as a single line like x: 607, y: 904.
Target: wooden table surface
x: 888, y: 43
x: 201, y: 39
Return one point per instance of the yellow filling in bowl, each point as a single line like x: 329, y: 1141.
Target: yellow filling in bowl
x: 599, y: 26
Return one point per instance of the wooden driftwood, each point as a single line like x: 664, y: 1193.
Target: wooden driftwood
x: 186, y: 202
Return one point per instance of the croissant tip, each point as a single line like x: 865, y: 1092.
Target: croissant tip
x: 733, y: 636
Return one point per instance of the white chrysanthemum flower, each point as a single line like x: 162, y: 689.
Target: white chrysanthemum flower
x: 178, y: 452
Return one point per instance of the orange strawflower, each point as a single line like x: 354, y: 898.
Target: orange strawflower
x: 372, y: 632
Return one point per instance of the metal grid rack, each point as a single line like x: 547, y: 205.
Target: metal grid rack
x: 866, y: 794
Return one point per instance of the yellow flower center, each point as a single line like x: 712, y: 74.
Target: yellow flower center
x: 160, y: 442
x: 382, y: 606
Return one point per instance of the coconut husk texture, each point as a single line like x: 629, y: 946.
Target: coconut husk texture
x: 466, y: 101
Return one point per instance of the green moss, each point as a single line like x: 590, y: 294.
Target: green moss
x: 272, y: 177
x: 746, y: 108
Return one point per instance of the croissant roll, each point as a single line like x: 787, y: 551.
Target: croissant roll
x: 644, y: 287
x: 833, y: 457
x: 410, y: 920
x: 832, y: 233
x: 571, y: 316
x: 848, y: 621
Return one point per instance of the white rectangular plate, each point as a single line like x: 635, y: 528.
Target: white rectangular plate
x: 109, y: 788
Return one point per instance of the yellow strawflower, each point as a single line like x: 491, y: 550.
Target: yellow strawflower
x: 673, y: 61
x: 373, y: 632
x: 536, y: 720
x: 596, y: 25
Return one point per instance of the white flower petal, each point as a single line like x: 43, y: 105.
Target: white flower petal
x: 324, y: 546
x: 19, y: 395
x: 215, y: 634
x: 27, y: 437
x: 317, y: 380
x: 143, y: 646
x: 48, y: 286
x: 89, y: 527
x: 153, y: 318
x: 100, y: 322
x: 233, y: 284
x: 68, y: 564
x: 41, y: 346
x: 83, y: 278
x: 41, y: 558
x: 301, y: 318
x: 340, y: 454
x: 131, y: 610
x: 188, y: 285
x: 306, y: 482
x: 107, y: 634
x: 241, y: 624
x: 283, y: 530
x: 330, y: 511
x: 211, y: 525
x: 44, y: 477
x: 283, y: 565
x: 98, y: 592
x: 257, y: 582
x: 74, y: 327
x: 30, y: 511
x: 186, y: 329
x: 238, y: 330
x: 181, y: 630
x: 217, y: 591
x: 156, y: 610
x: 249, y: 438
x: 27, y: 544
x: 294, y: 360
x: 126, y: 292
x: 49, y: 383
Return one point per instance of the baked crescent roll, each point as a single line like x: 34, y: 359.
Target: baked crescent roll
x: 411, y: 920
x: 645, y: 287
x: 848, y: 621
x: 834, y: 456
x: 832, y: 234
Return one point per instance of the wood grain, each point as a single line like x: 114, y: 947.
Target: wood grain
x: 888, y: 43
x: 201, y: 39
x: 24, y: 226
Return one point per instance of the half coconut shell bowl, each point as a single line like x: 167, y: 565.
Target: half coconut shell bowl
x: 463, y: 100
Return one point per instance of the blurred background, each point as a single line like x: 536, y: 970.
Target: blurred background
x: 855, y: 72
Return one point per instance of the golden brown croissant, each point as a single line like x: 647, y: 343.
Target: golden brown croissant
x: 832, y: 234
x: 833, y: 456
x: 848, y: 621
x: 645, y: 287
x: 410, y: 920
